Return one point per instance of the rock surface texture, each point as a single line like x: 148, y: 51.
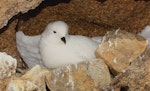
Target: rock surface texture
x: 136, y: 77
x: 86, y: 76
x: 90, y: 17
x: 7, y: 69
x: 7, y: 65
x: 10, y: 8
x: 119, y: 48
x: 33, y: 80
x: 8, y: 43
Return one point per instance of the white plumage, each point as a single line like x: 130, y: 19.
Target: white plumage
x: 58, y: 48
x: 55, y: 47
x: 28, y: 47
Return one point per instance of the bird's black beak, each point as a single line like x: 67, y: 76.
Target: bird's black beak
x: 63, y: 39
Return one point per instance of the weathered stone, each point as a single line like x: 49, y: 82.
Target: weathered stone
x: 136, y: 77
x: 93, y: 16
x: 8, y: 43
x: 33, y: 80
x: 7, y: 66
x: 10, y: 8
x: 3, y: 83
x: 86, y: 76
x: 120, y: 48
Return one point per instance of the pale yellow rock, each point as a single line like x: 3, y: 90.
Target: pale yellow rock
x: 33, y: 80
x: 136, y: 77
x: 21, y: 85
x: 86, y: 76
x: 7, y: 65
x: 120, y: 48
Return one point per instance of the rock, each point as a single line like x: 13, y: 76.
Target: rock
x: 3, y: 84
x: 8, y: 43
x: 93, y: 16
x: 136, y: 77
x: 7, y: 66
x: 33, y: 80
x: 85, y: 76
x: 120, y: 48
x: 10, y: 8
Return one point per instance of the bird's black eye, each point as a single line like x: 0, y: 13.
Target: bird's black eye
x: 54, y: 31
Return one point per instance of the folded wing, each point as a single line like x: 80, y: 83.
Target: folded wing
x: 28, y: 47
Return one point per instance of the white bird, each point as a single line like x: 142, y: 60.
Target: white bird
x: 58, y: 48
x: 55, y: 47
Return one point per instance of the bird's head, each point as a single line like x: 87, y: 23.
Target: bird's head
x: 57, y: 29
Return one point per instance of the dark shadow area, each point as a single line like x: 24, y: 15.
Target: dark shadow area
x: 44, y: 4
x: 3, y: 29
x: 10, y: 21
x: 47, y: 89
x: 142, y: 0
x: 126, y: 88
x: 101, y: 1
